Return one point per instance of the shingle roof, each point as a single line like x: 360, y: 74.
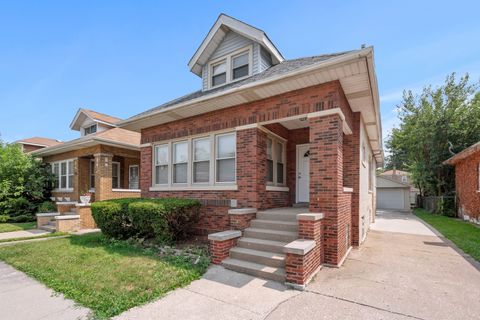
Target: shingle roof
x: 279, y: 69
x: 40, y: 141
x: 101, y: 116
x: 463, y: 154
x: 119, y: 135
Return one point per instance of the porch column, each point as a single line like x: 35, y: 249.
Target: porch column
x: 326, y: 182
x: 103, y: 176
x: 251, y: 167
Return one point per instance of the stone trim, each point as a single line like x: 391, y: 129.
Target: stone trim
x: 83, y: 205
x: 67, y: 217
x: 346, y: 189
x: 310, y: 216
x: 225, y: 235
x: 242, y: 211
x: 276, y: 188
x: 48, y: 214
x: 126, y: 190
x: 66, y: 203
x: 299, y: 247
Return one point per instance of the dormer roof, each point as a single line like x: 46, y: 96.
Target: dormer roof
x: 83, y: 114
x: 222, y: 26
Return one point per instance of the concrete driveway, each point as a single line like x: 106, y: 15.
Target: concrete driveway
x: 403, y: 271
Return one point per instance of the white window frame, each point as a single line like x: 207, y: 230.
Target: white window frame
x: 228, y: 158
x: 118, y: 175
x: 229, y: 65
x: 69, y: 175
x: 211, y: 166
x: 89, y: 127
x: 212, y: 184
x: 188, y: 162
x: 154, y: 164
x: 276, y: 140
x: 130, y: 175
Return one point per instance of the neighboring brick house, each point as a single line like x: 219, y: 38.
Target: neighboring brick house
x: 34, y: 143
x: 467, y: 182
x: 266, y: 133
x: 104, y: 161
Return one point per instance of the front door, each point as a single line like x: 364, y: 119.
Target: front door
x: 303, y: 173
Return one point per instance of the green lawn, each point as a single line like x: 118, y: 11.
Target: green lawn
x: 8, y: 227
x: 108, y: 277
x: 465, y: 235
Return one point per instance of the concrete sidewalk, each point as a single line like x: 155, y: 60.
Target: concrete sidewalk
x: 403, y: 271
x: 22, y: 234
x: 24, y: 298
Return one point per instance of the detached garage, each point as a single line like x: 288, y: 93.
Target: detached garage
x: 392, y: 194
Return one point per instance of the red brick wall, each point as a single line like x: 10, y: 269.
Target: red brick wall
x: 466, y: 184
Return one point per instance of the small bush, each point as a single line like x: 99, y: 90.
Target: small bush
x: 4, y: 218
x: 47, y: 206
x: 162, y: 219
x: 22, y: 218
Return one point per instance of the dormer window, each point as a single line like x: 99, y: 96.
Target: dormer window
x: 90, y: 129
x: 219, y: 73
x: 233, y: 67
x: 240, y: 66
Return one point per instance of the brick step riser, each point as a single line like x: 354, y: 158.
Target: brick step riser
x: 260, y: 246
x: 255, y: 273
x: 273, y: 226
x: 269, y: 236
x: 278, y: 263
x: 276, y: 217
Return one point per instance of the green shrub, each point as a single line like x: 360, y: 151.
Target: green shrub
x: 4, y: 218
x: 162, y: 219
x: 47, y: 206
x: 22, y: 218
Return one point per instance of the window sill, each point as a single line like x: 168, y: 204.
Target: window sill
x: 63, y: 190
x: 275, y: 188
x: 347, y: 190
x: 126, y: 190
x: 194, y: 188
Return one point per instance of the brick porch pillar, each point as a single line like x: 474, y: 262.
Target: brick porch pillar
x: 326, y: 182
x: 103, y: 176
x: 251, y: 167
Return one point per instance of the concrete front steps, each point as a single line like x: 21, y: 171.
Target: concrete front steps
x: 260, y: 251
x: 52, y: 225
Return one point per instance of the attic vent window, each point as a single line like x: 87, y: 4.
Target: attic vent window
x: 90, y: 129
x: 240, y: 66
x: 219, y: 74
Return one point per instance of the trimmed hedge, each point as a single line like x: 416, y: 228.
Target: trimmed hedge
x: 165, y: 220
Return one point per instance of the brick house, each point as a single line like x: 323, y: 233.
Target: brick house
x: 104, y: 161
x: 34, y: 143
x: 266, y: 142
x: 467, y: 182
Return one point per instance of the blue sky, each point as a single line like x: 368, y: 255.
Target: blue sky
x: 123, y: 57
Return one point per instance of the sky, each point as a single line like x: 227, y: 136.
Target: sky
x: 124, y: 57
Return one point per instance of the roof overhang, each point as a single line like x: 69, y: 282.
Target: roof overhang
x: 31, y: 144
x: 463, y: 154
x: 81, y: 143
x: 216, y: 34
x: 355, y: 71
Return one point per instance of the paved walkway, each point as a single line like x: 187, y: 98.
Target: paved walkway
x: 22, y: 234
x: 24, y: 298
x: 403, y: 271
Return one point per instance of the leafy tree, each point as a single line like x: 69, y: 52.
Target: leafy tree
x: 435, y: 125
x: 24, y: 181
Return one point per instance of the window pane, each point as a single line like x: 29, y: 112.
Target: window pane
x: 180, y: 173
x: 201, y: 149
x: 201, y: 171
x: 240, y: 72
x: 279, y: 152
x: 279, y: 172
x: 63, y: 182
x: 219, y: 79
x: 161, y: 174
x: 92, y: 174
x: 56, y: 173
x: 269, y: 170
x: 93, y: 128
x: 161, y: 154
x: 63, y: 168
x: 220, y: 68
x: 269, y: 149
x: 180, y: 152
x: 133, y: 177
x: 226, y: 146
x: 226, y: 170
x: 70, y: 167
x: 240, y: 60
x: 114, y: 169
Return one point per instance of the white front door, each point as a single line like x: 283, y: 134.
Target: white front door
x: 303, y: 173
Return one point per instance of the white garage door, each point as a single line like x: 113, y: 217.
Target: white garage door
x: 390, y: 198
